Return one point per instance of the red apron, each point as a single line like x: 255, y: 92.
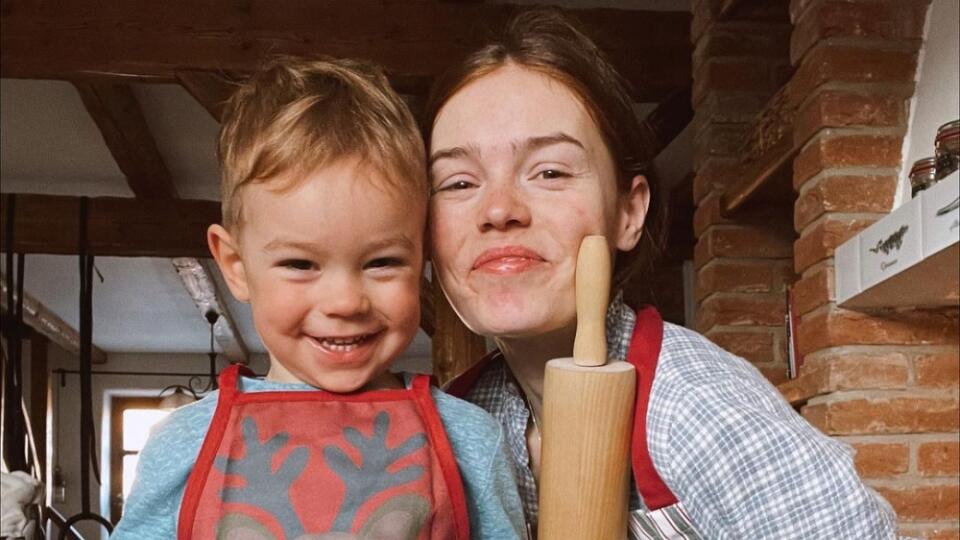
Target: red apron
x: 312, y: 465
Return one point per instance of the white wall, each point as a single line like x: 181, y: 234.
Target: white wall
x: 937, y: 97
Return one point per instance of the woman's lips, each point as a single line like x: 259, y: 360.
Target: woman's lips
x: 507, y: 260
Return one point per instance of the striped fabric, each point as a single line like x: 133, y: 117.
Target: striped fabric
x: 670, y: 523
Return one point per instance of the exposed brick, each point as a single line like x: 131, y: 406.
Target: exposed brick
x: 940, y: 458
x: 717, y: 140
x: 837, y: 150
x: 742, y: 276
x: 708, y: 213
x: 755, y: 346
x: 881, y: 460
x: 841, y: 63
x: 818, y: 243
x: 743, y: 242
x: 845, y: 193
x: 839, y: 108
x: 715, y: 173
x: 727, y: 108
x: 860, y: 371
x: 885, y: 416
x: 740, y: 310
x: 947, y: 532
x: 924, y: 503
x: 813, y: 291
x: 743, y: 39
x: 940, y: 370
x: 883, y: 20
x: 729, y: 75
x: 836, y: 327
x: 776, y: 374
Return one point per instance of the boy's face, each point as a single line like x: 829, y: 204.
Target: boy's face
x: 331, y: 268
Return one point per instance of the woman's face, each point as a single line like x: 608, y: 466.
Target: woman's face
x: 520, y: 174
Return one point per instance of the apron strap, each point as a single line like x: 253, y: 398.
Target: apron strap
x: 448, y: 464
x: 644, y: 354
x: 229, y: 388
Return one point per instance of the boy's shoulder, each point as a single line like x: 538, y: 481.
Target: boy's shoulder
x: 469, y: 427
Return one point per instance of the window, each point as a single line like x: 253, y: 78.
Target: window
x: 131, y: 419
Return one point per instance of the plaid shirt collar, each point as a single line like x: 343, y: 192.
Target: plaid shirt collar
x: 500, y: 395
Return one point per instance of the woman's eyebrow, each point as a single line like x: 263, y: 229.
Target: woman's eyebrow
x: 532, y: 144
x: 456, y: 152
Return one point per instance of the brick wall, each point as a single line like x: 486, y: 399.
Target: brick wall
x: 887, y: 379
x: 743, y: 264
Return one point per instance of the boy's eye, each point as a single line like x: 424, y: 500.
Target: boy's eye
x: 385, y: 262
x: 297, y: 264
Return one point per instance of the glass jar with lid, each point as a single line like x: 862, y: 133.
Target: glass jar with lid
x: 923, y: 174
x: 947, y: 148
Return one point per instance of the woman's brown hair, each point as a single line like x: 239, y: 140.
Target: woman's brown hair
x: 546, y: 41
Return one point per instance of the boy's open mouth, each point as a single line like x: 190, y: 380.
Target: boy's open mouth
x: 343, y: 344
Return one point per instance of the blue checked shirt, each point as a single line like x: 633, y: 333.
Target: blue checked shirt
x: 738, y: 458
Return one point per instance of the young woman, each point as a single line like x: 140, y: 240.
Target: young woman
x: 533, y: 145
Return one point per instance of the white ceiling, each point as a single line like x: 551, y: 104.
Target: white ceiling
x: 50, y: 145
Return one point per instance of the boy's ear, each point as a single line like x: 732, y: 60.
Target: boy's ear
x: 224, y: 250
x: 632, y: 213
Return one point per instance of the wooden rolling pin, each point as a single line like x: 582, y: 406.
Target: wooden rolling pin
x: 587, y: 420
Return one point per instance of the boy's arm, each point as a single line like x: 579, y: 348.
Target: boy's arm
x: 496, y: 512
x: 151, y: 510
x: 745, y: 465
x: 478, y: 444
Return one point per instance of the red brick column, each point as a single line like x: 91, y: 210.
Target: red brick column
x: 891, y: 375
x: 742, y: 263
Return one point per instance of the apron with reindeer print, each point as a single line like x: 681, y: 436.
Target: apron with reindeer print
x: 314, y: 465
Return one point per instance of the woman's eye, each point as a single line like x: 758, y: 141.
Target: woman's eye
x: 550, y: 174
x: 297, y: 264
x: 455, y: 185
x: 385, y: 262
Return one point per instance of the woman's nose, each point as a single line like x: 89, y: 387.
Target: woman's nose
x: 503, y: 207
x: 343, y: 297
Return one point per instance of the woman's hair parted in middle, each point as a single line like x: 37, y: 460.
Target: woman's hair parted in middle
x: 546, y: 41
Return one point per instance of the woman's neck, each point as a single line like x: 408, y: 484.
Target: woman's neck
x: 527, y: 359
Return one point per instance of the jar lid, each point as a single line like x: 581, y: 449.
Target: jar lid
x: 923, y: 166
x: 950, y: 130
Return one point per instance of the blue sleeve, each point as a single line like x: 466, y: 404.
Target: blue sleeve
x: 151, y: 510
x: 478, y: 444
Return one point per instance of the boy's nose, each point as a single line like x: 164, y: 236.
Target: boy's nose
x: 344, y: 297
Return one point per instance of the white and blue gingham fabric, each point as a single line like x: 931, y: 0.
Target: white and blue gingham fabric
x: 741, y: 462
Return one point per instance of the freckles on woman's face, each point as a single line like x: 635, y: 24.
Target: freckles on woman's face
x: 520, y: 174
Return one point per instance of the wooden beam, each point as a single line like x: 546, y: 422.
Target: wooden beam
x: 414, y: 41
x: 119, y: 227
x: 47, y: 323
x: 666, y: 121
x: 211, y: 90
x: 117, y: 113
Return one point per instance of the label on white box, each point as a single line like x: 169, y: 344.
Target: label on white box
x: 940, y: 206
x: 891, y: 244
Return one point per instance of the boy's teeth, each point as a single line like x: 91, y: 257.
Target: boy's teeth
x: 341, y: 344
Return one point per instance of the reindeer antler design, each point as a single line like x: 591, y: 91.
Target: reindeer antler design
x: 264, y: 488
x: 371, y: 476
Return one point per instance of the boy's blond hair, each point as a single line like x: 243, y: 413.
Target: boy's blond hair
x: 297, y: 114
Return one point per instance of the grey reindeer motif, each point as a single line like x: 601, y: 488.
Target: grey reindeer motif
x: 400, y: 518
x: 893, y: 242
x: 371, y: 476
x: 257, y: 471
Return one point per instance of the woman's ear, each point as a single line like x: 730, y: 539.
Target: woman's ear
x: 224, y: 250
x: 632, y: 213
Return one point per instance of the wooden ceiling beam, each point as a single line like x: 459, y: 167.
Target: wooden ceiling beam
x: 414, y: 41
x: 211, y: 90
x: 116, y: 226
x: 116, y: 111
x: 45, y: 322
